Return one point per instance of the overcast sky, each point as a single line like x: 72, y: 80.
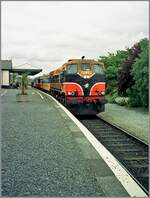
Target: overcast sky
x: 47, y: 34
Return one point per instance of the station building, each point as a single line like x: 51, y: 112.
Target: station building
x: 6, y: 68
x: 7, y: 71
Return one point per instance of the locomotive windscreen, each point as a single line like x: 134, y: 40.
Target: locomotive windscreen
x: 72, y: 69
x: 85, y: 67
x: 98, y: 69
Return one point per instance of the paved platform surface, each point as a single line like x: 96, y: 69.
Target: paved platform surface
x: 134, y: 120
x: 45, y: 154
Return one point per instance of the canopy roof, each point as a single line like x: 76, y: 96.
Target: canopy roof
x: 29, y: 71
x: 26, y: 68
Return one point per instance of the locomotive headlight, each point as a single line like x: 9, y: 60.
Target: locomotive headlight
x: 101, y: 93
x: 86, y: 76
x: 70, y: 93
x: 86, y: 85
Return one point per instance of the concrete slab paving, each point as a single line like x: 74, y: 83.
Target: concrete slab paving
x: 134, y: 120
x: 45, y: 154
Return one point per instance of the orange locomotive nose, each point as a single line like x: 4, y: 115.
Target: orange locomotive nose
x: 73, y: 88
x: 98, y: 89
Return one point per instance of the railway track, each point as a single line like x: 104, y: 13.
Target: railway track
x: 129, y: 151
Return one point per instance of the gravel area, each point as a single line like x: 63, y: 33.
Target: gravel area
x: 42, y: 156
x: 134, y: 120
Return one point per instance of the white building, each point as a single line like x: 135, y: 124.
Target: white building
x: 6, y: 68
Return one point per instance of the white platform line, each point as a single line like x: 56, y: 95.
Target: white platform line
x: 133, y: 189
x: 4, y: 93
x: 39, y: 94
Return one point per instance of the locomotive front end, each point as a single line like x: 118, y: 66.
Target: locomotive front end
x: 85, y: 87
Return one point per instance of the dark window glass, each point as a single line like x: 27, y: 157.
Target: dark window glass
x: 72, y: 69
x: 98, y: 69
x: 85, y: 66
x: 47, y: 80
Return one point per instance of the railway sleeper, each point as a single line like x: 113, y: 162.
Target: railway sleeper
x: 93, y: 127
x: 130, y: 158
x: 132, y: 152
x: 97, y: 124
x: 143, y: 176
x: 117, y: 144
x: 107, y: 133
x: 128, y: 150
x: 114, y: 139
x: 137, y: 165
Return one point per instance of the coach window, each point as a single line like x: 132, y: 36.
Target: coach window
x: 72, y: 69
x: 98, y: 69
x: 85, y: 66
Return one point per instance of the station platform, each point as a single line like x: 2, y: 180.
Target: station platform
x: 44, y: 153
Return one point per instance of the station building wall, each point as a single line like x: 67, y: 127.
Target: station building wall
x: 5, y: 79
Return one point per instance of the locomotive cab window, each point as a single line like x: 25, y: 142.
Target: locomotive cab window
x: 85, y: 67
x: 72, y: 69
x: 98, y: 69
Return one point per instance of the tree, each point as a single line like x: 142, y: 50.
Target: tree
x: 139, y: 91
x: 125, y: 76
x: 111, y: 63
x: 24, y: 81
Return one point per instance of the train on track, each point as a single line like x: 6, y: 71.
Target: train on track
x: 79, y: 84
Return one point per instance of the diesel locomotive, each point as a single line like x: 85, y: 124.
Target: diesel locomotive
x: 79, y: 84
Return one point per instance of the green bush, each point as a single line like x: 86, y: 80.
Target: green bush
x: 123, y: 101
x: 111, y: 97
